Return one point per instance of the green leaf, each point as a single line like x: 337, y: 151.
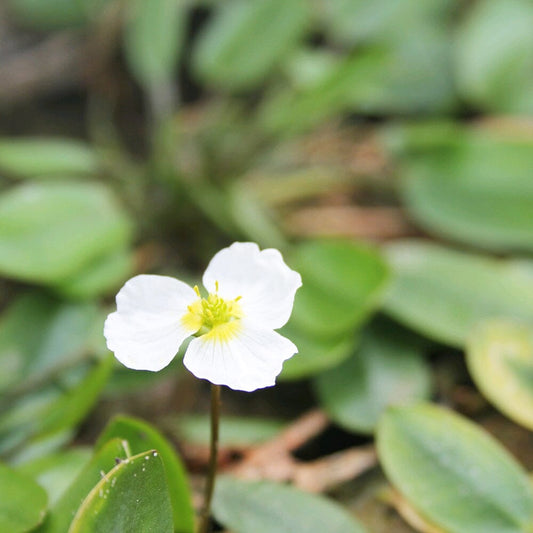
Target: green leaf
x: 246, y: 39
x: 131, y: 497
x: 47, y: 157
x: 456, y: 475
x: 264, y: 507
x: 101, y: 277
x: 56, y: 472
x: 315, y: 354
x: 153, y: 39
x: 50, y: 231
x: 53, y: 409
x: 142, y: 437
x: 444, y: 293
x: 500, y: 360
x: 103, y: 461
x: 355, y: 77
x: 495, y: 55
x: 387, y: 369
x: 342, y: 285
x: 474, y: 187
x: 23, y: 502
x: 354, y: 21
x: 234, y: 431
x: 72, y: 407
x: 39, y: 335
x: 49, y: 15
x: 382, y: 78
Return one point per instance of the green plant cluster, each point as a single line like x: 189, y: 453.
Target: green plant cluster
x: 431, y: 81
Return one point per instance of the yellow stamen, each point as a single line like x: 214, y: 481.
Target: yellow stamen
x: 213, y: 316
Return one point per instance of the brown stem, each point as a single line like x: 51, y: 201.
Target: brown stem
x: 213, y: 459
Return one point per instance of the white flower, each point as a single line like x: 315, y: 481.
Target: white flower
x: 251, y: 293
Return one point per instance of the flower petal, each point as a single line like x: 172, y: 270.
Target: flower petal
x: 264, y: 282
x: 249, y: 360
x: 146, y: 331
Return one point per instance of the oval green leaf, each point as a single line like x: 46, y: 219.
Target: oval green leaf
x: 495, y: 55
x: 315, y: 354
x: 245, y: 40
x: 444, y: 293
x: 153, y: 38
x: 264, y: 507
x: 234, y: 431
x: 387, y: 369
x: 72, y: 407
x: 47, y: 157
x: 475, y: 188
x: 23, y: 501
x: 102, y: 276
x: 500, y: 360
x: 142, y: 437
x: 342, y: 286
x: 103, y: 461
x: 50, y: 231
x: 57, y: 471
x: 456, y: 475
x: 39, y: 334
x: 50, y: 15
x: 131, y: 497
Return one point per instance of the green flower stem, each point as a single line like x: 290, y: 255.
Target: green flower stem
x: 213, y: 460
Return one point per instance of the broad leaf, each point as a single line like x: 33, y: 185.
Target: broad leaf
x: 105, y: 274
x: 444, y: 293
x: 246, y: 39
x: 234, y: 431
x: 23, y: 502
x: 62, y: 513
x: 47, y: 157
x: 388, y: 368
x: 456, y: 475
x: 153, y: 38
x: 495, y: 55
x: 500, y: 360
x: 142, y: 437
x: 39, y: 334
x: 50, y: 231
x: 342, y: 285
x: 131, y: 497
x: 474, y: 187
x: 57, y: 471
x: 264, y: 507
x: 315, y: 354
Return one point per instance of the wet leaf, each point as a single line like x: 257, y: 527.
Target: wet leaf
x: 141, y: 437
x: 103, y: 461
x: 131, y: 497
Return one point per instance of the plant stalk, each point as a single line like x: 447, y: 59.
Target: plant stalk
x: 213, y: 460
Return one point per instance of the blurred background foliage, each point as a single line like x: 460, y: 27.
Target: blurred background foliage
x: 385, y: 147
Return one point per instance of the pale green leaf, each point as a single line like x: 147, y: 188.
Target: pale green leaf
x: 443, y: 293
x: 455, y: 474
x: 131, y: 497
x: 500, y: 360
x: 264, y: 507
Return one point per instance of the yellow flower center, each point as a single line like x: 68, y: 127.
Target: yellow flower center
x: 213, y: 316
